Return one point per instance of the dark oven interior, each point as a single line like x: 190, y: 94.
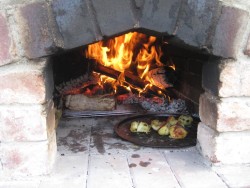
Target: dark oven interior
x: 180, y: 67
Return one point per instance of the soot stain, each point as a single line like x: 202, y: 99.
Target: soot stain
x: 118, y: 146
x: 144, y: 164
x: 74, y: 141
x: 135, y: 156
x: 98, y: 143
x: 98, y: 135
x: 132, y: 165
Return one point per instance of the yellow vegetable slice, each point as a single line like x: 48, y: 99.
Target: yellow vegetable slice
x: 177, y: 132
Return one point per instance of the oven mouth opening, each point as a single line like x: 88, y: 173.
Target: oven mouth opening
x: 132, y: 73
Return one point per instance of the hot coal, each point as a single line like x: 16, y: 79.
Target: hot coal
x: 75, y: 86
x: 154, y: 104
x: 174, y: 106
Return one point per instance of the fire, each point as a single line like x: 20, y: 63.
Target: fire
x: 116, y: 53
x: 134, y: 52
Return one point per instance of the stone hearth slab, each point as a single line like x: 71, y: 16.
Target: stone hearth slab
x: 124, y: 165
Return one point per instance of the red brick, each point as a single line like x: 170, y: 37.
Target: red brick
x: 26, y: 82
x: 229, y: 32
x: 5, y: 41
x: 233, y: 114
x: 224, y: 148
x: 225, y: 114
x: 235, y: 78
x: 230, y: 78
x: 26, y: 122
x: 35, y: 30
x: 22, y: 159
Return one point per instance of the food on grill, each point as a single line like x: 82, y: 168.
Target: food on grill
x: 134, y: 126
x: 156, y: 124
x: 173, y: 127
x: 164, y: 130
x: 171, y: 120
x: 177, y: 132
x: 185, y: 120
x: 139, y: 127
x: 143, y: 127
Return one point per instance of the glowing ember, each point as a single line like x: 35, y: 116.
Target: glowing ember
x: 134, y: 52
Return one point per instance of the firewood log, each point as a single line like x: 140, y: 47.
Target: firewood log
x: 82, y: 102
x: 130, y: 78
x: 159, y: 76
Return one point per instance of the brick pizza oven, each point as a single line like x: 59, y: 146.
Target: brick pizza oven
x: 33, y: 31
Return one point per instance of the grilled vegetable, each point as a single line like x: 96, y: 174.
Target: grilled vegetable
x: 156, y: 124
x: 177, y: 132
x: 140, y: 127
x: 134, y: 126
x: 143, y: 127
x: 185, y: 120
x: 163, y: 130
x: 171, y: 120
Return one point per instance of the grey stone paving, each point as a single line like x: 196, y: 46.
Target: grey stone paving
x: 90, y: 155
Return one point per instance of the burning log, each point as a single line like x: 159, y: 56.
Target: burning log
x: 162, y: 77
x: 76, y: 86
x: 82, y: 102
x: 131, y: 79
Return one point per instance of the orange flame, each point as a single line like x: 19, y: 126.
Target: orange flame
x: 131, y: 52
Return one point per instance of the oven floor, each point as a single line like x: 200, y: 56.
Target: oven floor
x: 90, y: 155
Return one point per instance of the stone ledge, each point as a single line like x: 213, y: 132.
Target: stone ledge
x: 24, y: 159
x: 26, y: 82
x: 225, y: 114
x: 26, y: 122
x: 224, y: 148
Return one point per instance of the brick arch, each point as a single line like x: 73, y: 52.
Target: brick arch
x: 69, y: 24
